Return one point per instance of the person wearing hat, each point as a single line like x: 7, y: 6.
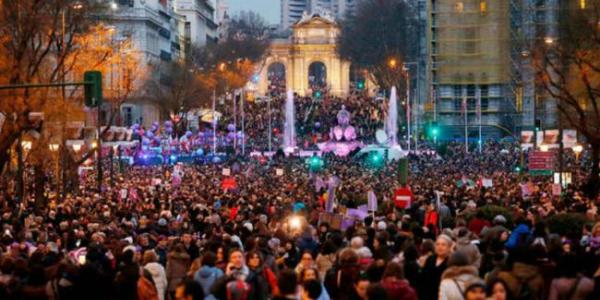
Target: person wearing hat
x: 456, y: 277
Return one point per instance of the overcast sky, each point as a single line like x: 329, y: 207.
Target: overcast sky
x: 269, y: 9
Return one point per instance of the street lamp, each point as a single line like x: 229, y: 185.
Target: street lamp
x: 114, y: 5
x: 76, y: 147
x: 53, y: 147
x: 548, y: 40
x: 94, y: 145
x: 26, y: 145
x: 544, y: 147
x: 392, y: 63
x: 577, y: 149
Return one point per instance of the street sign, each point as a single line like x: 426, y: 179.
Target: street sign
x: 403, y: 197
x: 541, y: 163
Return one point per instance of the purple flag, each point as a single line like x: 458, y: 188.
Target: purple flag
x: 371, y: 201
x: 330, y: 199
x: 319, y: 183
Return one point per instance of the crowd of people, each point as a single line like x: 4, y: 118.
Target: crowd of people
x: 256, y: 228
x: 315, y: 117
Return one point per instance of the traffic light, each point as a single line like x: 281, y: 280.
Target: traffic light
x: 434, y: 130
x: 518, y: 169
x: 375, y: 160
x: 92, y: 88
x: 318, y: 94
x: 315, y: 163
x: 360, y: 85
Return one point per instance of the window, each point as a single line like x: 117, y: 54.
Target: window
x: 152, y: 42
x: 483, y: 7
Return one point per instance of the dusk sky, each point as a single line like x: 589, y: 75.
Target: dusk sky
x: 269, y: 9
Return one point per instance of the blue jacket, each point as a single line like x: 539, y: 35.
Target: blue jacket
x: 207, y: 276
x: 519, y: 235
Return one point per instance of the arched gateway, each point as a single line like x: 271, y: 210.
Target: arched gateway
x: 309, y: 58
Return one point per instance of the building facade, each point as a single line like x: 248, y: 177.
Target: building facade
x: 292, y: 10
x: 199, y: 17
x: 469, y: 67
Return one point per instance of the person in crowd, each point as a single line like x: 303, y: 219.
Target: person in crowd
x: 498, y: 290
x: 208, y: 273
x: 288, y: 285
x: 311, y: 290
x: 312, y: 274
x: 157, y: 271
x: 434, y: 267
x: 261, y: 279
x: 457, y: 276
x: 189, y: 290
x: 346, y: 270
x: 523, y: 278
x: 306, y: 262
x: 569, y: 283
x: 475, y: 290
x: 396, y: 286
x: 178, y: 262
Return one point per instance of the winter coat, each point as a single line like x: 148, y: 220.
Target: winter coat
x: 522, y: 274
x: 178, y: 264
x: 455, y: 280
x: 471, y: 250
x: 429, y: 282
x: 338, y: 281
x: 159, y: 277
x: 562, y: 287
x: 398, y: 289
x: 258, y: 283
x: 207, y: 276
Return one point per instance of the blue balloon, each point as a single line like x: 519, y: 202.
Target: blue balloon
x: 317, y: 124
x: 231, y: 127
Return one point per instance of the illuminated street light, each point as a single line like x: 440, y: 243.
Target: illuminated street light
x: 114, y: 6
x: 222, y: 67
x: 94, y: 145
x: 577, y: 149
x: 548, y: 40
x: 544, y: 147
x: 76, y: 147
x: 77, y: 6
x: 53, y: 147
x: 392, y: 63
x: 26, y: 145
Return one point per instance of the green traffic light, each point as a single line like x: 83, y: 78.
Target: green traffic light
x: 361, y: 85
x: 315, y: 163
x: 518, y: 169
x: 435, y: 131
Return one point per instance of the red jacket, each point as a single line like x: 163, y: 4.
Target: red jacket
x: 398, y: 289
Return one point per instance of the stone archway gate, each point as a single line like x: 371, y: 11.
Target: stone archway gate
x: 313, y: 40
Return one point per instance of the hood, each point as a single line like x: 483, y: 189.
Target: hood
x: 456, y: 271
x: 524, y: 271
x: 206, y: 272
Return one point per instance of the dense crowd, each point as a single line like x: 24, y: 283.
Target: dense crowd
x: 315, y: 117
x: 269, y: 235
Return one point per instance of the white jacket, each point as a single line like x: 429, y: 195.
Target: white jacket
x: 159, y: 277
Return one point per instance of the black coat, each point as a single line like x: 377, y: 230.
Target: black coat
x: 431, y: 276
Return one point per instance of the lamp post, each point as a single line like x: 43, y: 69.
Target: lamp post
x: 544, y: 148
x: 54, y: 147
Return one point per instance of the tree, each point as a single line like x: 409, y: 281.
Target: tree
x: 378, y: 38
x: 51, y: 41
x: 232, y: 61
x: 569, y: 71
x: 179, y: 88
